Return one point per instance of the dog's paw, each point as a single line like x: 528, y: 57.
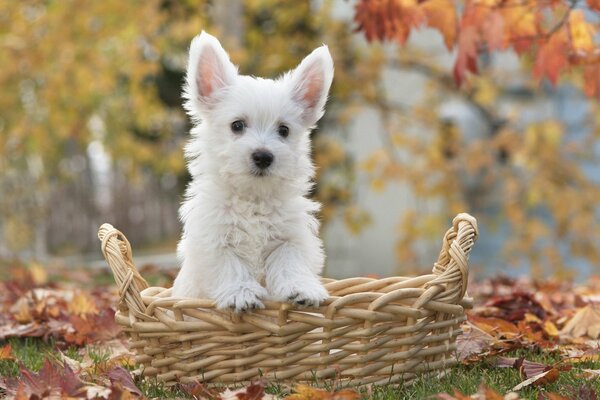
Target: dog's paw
x: 242, y: 298
x: 306, y: 294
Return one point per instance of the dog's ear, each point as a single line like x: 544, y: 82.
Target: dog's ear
x: 209, y: 71
x: 310, y: 83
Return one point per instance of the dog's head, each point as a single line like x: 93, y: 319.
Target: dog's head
x: 254, y: 129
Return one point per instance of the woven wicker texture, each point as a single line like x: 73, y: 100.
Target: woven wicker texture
x: 369, y: 330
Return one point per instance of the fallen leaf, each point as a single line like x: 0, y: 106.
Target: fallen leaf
x: 586, y: 322
x: 553, y: 396
x: 38, y: 273
x: 590, y: 373
x: 305, y: 392
x: 199, y: 391
x: 82, y: 305
x: 6, y: 352
x: 539, y: 380
x: 122, y: 377
x: 495, y: 326
x: 585, y: 392
x: 473, y: 341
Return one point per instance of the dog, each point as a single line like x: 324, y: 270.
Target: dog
x: 249, y: 231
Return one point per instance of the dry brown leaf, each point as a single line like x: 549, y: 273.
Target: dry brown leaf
x: 590, y: 373
x: 81, y: 305
x: 21, y: 311
x: 586, y: 322
x: 539, y: 380
x: 305, y: 392
x: 555, y: 396
x: 550, y: 329
x: 495, y: 326
x: 6, y: 353
x: 38, y: 273
x: 593, y: 357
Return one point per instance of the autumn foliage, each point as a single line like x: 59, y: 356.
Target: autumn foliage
x: 555, y: 35
x: 91, y: 358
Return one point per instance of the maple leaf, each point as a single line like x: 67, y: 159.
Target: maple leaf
x: 493, y: 31
x: 441, y: 15
x: 6, y: 352
x: 516, y: 306
x: 305, y: 392
x: 586, y: 322
x: 466, y: 59
x: 585, y: 392
x: 483, y: 392
x: 552, y: 57
x: 495, y: 326
x: 123, y: 378
x: 594, y: 4
x: 51, y: 381
x: 473, y: 341
x: 521, y: 25
x: 591, y: 78
x: 198, y: 390
x: 81, y: 305
x: 581, y: 32
x: 254, y: 391
x: 541, y: 379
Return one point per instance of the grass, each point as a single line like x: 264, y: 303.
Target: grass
x: 463, y: 378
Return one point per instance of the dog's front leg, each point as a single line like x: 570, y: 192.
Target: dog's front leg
x: 289, y: 278
x: 234, y: 287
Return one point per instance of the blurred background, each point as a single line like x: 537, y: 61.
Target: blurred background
x: 92, y: 129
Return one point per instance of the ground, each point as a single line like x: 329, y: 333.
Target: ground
x: 58, y: 338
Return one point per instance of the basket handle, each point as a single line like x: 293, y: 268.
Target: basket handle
x: 118, y: 255
x: 452, y: 266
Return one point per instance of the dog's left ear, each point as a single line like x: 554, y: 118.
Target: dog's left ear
x: 310, y: 83
x: 209, y: 73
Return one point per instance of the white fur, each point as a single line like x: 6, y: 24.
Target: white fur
x: 248, y: 237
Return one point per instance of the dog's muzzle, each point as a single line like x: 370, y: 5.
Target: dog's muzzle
x: 262, y: 159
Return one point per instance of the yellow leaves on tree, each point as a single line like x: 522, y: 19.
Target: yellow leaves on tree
x: 581, y: 32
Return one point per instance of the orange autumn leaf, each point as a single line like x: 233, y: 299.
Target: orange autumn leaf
x: 6, y: 352
x: 552, y: 58
x: 550, y: 329
x: 521, y: 25
x: 594, y: 4
x: 305, y: 392
x: 81, y: 304
x: 591, y: 78
x: 441, y: 15
x: 495, y: 326
x: 466, y: 59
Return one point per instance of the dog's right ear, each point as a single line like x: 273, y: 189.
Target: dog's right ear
x: 209, y: 72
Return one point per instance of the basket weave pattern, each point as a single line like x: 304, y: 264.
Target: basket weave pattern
x: 368, y: 331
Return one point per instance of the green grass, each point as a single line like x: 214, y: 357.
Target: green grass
x: 463, y: 378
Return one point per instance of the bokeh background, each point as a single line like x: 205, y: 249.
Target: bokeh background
x: 92, y: 129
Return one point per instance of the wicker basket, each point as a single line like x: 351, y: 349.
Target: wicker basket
x: 369, y: 331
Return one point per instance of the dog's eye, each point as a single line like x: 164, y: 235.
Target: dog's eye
x: 283, y: 131
x: 238, y: 126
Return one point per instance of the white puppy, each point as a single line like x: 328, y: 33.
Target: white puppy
x: 249, y: 232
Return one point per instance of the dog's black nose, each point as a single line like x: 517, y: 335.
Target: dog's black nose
x: 262, y: 158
